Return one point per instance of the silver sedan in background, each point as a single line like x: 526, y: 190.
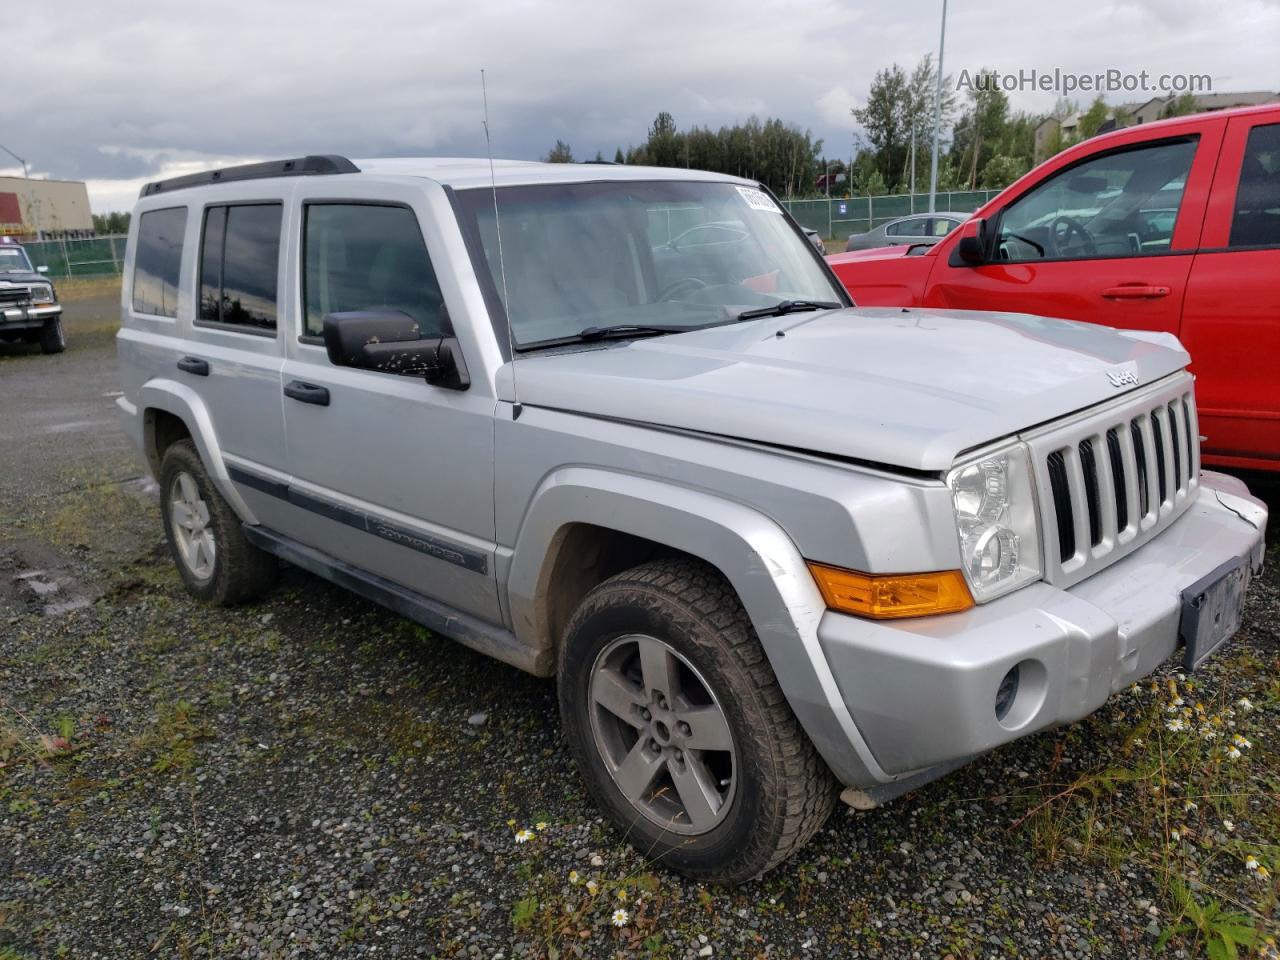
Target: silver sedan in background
x: 926, y: 228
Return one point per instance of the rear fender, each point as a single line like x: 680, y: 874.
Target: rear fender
x: 183, y: 402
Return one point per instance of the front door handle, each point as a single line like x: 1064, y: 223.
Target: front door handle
x: 307, y: 393
x: 194, y: 365
x: 1135, y: 291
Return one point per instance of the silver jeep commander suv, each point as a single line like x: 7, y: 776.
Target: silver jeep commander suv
x: 622, y: 427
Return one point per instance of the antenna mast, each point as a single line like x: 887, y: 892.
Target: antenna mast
x: 502, y: 269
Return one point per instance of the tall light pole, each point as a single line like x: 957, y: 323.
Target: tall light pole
x: 25, y: 175
x: 937, y: 114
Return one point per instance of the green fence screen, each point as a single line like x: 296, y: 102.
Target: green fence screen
x: 101, y: 256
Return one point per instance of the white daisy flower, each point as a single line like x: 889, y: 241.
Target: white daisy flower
x: 1189, y: 806
x: 524, y: 836
x: 1245, y: 704
x: 1175, y: 725
x: 620, y: 918
x: 1228, y: 826
x: 574, y: 878
x: 592, y: 887
x: 1233, y: 753
x: 1251, y: 863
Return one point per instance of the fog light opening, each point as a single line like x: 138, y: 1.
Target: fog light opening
x: 1007, y: 692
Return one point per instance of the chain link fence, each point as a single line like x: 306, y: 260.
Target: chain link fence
x: 99, y: 257
x: 837, y: 218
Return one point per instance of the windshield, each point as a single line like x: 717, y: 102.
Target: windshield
x: 13, y: 260
x: 656, y: 254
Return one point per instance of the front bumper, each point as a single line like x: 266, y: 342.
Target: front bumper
x: 28, y: 317
x: 922, y: 692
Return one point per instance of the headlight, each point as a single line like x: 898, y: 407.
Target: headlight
x: 996, y: 519
x: 42, y: 293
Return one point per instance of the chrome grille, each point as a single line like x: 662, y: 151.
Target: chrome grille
x: 1113, y: 478
x: 14, y: 296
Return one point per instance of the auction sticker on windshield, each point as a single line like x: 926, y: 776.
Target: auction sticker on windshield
x: 758, y: 200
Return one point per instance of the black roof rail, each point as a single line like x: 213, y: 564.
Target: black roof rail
x: 297, y: 167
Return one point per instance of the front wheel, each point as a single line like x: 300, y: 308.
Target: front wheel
x: 680, y: 729
x: 52, y: 339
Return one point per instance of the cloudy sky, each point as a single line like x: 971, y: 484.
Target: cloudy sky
x: 117, y: 93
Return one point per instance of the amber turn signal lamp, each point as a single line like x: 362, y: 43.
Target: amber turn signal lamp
x: 889, y: 596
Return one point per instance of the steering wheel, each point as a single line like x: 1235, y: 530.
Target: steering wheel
x: 1064, y: 228
x: 693, y: 283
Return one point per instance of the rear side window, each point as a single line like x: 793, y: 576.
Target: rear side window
x: 158, y: 260
x: 364, y: 256
x: 1256, y: 221
x: 239, y: 261
x: 905, y: 228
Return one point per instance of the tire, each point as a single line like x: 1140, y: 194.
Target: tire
x: 770, y: 792
x: 216, y: 562
x: 52, y: 339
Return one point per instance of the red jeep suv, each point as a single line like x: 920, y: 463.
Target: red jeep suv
x: 1170, y: 226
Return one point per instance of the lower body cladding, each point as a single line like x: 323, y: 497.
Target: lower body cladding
x: 927, y: 694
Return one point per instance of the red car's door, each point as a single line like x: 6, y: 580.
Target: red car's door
x: 1231, y: 317
x: 1106, y: 236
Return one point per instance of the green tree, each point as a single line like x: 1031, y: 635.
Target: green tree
x: 1001, y: 170
x: 1180, y: 106
x: 560, y: 153
x: 897, y: 106
x: 618, y: 157
x: 1093, y: 118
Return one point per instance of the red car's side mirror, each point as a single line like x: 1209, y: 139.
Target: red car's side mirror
x: 971, y: 249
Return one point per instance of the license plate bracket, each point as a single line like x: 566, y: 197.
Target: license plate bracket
x: 1212, y: 610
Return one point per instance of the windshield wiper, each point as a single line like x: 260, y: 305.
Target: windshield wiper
x: 783, y: 307
x: 615, y: 331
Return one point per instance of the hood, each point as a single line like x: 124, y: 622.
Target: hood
x: 910, y: 388
x: 24, y: 277
x: 871, y: 253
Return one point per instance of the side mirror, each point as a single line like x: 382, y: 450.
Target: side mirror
x: 42, y: 269
x: 971, y: 248
x: 389, y: 342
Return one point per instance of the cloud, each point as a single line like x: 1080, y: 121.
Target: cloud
x: 123, y: 92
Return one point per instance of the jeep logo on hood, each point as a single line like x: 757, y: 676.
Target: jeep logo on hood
x: 1122, y: 377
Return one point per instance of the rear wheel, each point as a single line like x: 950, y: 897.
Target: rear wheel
x: 52, y: 339
x: 217, y: 563
x: 679, y: 727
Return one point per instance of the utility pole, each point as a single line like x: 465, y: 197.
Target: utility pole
x: 912, y: 189
x: 937, y: 114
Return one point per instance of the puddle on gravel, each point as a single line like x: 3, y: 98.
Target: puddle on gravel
x: 32, y: 576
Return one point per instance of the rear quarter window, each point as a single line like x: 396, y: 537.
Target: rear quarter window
x: 157, y: 261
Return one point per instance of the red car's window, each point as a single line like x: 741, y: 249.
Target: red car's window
x: 1256, y: 219
x: 1120, y: 204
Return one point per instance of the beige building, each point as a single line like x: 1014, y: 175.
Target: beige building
x: 44, y: 209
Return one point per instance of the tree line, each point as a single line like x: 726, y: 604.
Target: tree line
x: 986, y: 144
x: 780, y: 155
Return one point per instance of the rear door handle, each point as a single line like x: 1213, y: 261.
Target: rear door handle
x: 307, y: 393
x: 1135, y: 291
x: 194, y: 365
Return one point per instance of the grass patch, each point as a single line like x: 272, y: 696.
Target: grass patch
x: 1184, y: 787
x: 170, y: 742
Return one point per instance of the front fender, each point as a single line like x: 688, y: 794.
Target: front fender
x: 183, y: 402
x: 754, y: 554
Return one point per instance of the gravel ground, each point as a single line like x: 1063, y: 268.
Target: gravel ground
x: 312, y: 777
